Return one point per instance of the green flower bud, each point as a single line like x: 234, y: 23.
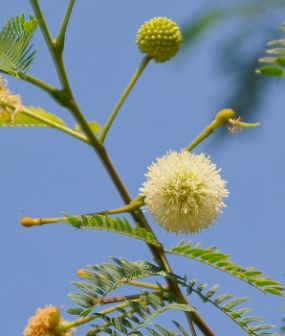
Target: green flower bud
x: 160, y: 38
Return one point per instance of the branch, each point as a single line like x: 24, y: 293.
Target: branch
x: 59, y: 42
x: 124, y: 96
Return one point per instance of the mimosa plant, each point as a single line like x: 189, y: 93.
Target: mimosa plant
x: 184, y: 192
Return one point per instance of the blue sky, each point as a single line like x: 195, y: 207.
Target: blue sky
x: 46, y: 173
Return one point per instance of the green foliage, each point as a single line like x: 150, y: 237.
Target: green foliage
x: 213, y: 257
x: 134, y: 314
x: 29, y: 117
x: 275, y: 62
x: 117, y: 225
x: 101, y: 280
x: 230, y: 306
x: 16, y: 52
x: 138, y: 315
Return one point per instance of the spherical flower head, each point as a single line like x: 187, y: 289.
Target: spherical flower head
x: 184, y: 192
x: 160, y: 38
x: 45, y: 322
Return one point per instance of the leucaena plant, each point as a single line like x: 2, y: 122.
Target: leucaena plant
x: 183, y: 192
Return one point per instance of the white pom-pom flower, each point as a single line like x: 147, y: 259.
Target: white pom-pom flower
x: 184, y: 192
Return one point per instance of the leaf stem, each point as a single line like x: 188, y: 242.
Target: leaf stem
x: 47, y: 121
x: 37, y: 82
x: 54, y: 51
x: 134, y: 205
x: 90, y: 318
x: 144, y: 285
x: 221, y: 119
x: 55, y: 125
x: 124, y: 96
x: 104, y: 301
x: 59, y: 42
x: 42, y: 23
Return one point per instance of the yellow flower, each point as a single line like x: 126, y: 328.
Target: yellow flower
x: 184, y: 192
x: 46, y: 322
x: 160, y: 38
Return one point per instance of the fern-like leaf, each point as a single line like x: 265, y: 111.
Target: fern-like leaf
x: 16, y: 52
x: 101, y: 280
x: 213, y: 257
x: 29, y: 117
x: 230, y: 306
x: 275, y: 61
x: 117, y: 225
x: 138, y: 315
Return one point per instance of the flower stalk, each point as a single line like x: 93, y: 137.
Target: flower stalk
x: 123, y: 97
x: 129, y: 208
x: 221, y: 119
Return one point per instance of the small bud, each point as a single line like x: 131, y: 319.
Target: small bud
x: 225, y: 115
x: 160, y: 38
x: 82, y: 273
x: 29, y: 222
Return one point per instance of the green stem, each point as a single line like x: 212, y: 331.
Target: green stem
x: 51, y: 44
x: 221, y: 119
x: 47, y: 121
x: 203, y: 135
x: 42, y: 22
x: 123, y: 97
x: 90, y: 318
x: 105, y: 301
x: 61, y: 35
x: 55, y: 125
x: 35, y: 81
x: 39, y: 83
x: 144, y: 285
x: 30, y: 222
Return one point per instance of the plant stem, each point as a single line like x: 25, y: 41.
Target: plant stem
x: 90, y: 318
x: 56, y: 125
x: 51, y: 44
x: 39, y: 83
x: 30, y: 222
x: 203, y: 135
x: 67, y: 99
x: 47, y: 121
x: 124, y: 96
x: 61, y: 35
x: 35, y: 81
x: 221, y: 119
x: 104, y: 301
x: 42, y: 23
x: 144, y: 285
